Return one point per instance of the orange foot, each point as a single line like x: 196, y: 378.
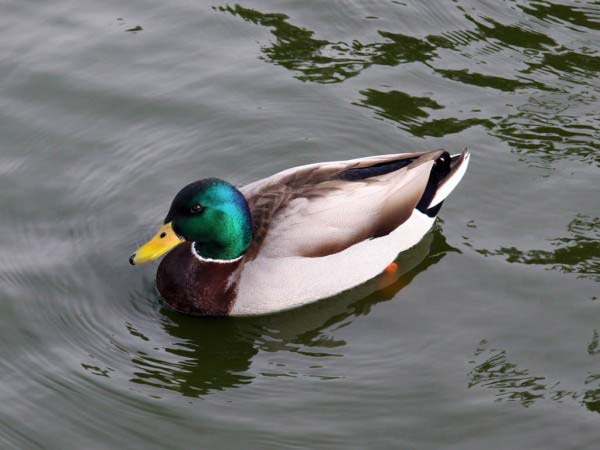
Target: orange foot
x: 392, y: 268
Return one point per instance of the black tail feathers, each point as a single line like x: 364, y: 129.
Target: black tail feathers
x: 441, y: 169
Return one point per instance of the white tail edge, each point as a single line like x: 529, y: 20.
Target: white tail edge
x: 453, y: 179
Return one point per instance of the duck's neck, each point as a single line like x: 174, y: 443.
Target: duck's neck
x: 233, y: 238
x: 221, y: 251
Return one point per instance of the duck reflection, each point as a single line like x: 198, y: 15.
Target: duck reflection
x: 207, y: 354
x: 212, y: 354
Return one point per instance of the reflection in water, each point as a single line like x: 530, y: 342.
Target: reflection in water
x: 550, y: 127
x: 549, y: 12
x: 494, y: 371
x: 297, y: 50
x: 409, y: 111
x: 510, y: 382
x: 578, y: 253
x: 489, y: 29
x: 215, y: 354
x: 398, y: 106
x: 330, y: 62
x: 594, y: 345
x: 490, y: 81
x: 591, y: 397
x: 211, y: 355
x: 567, y: 62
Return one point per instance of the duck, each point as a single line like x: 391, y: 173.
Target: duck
x: 304, y: 234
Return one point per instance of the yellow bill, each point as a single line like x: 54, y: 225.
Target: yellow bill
x: 161, y: 243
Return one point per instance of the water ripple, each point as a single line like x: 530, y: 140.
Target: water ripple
x: 100, y: 128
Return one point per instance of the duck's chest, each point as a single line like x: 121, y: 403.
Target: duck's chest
x: 192, y: 285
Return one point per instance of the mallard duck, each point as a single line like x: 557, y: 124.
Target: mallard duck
x: 296, y: 237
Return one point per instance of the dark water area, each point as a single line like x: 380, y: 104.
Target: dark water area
x: 488, y: 337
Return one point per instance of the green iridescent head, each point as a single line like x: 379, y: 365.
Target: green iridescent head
x: 215, y: 216
x: 212, y: 214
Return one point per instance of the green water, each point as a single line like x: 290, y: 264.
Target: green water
x: 488, y: 338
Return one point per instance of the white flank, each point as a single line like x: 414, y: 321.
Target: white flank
x: 271, y: 284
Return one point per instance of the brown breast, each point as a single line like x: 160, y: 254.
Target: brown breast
x: 193, y: 286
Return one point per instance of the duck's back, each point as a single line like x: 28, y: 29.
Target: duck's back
x: 325, y: 228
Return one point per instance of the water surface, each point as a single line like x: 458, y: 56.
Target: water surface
x: 489, y: 337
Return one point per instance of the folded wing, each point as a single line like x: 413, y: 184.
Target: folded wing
x: 321, y: 209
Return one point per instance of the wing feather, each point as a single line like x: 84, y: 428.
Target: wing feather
x: 317, y: 210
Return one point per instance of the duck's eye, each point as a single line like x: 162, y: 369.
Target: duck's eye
x: 197, y: 209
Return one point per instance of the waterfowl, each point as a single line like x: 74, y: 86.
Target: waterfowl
x: 298, y: 236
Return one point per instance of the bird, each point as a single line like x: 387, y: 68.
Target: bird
x: 304, y: 234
